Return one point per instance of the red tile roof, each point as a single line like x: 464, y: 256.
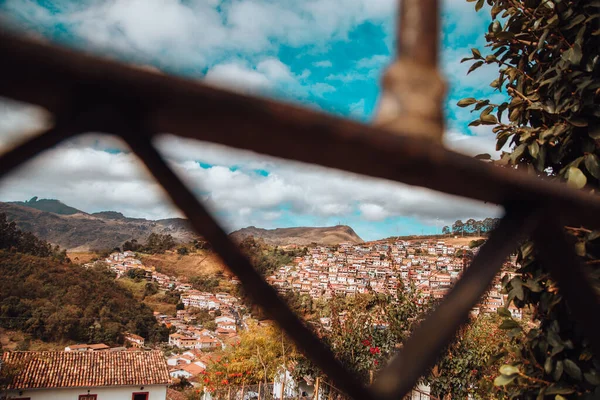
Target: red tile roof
x: 54, y: 369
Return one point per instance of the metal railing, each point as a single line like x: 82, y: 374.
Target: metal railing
x: 87, y: 93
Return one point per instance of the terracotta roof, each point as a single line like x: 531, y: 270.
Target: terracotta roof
x: 54, y: 369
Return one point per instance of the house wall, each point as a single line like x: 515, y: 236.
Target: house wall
x: 155, y: 392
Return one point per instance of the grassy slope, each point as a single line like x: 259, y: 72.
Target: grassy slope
x: 171, y: 263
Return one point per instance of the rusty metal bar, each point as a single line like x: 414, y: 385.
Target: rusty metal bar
x: 413, y: 89
x: 554, y: 251
x: 423, y: 347
x: 56, y: 78
x: 16, y: 156
x: 260, y: 291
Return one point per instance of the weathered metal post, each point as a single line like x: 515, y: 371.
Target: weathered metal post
x: 412, y: 87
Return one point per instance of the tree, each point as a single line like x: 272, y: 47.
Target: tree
x: 458, y: 228
x: 446, y: 230
x: 469, y: 364
x: 548, y: 55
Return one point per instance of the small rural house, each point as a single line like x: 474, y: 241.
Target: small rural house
x: 86, y: 375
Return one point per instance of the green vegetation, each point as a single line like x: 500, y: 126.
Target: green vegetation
x: 266, y: 258
x: 471, y: 227
x: 13, y: 240
x: 548, y: 59
x: 53, y: 300
x: 476, y: 243
x: 156, y: 243
x: 48, y: 205
x: 205, y: 282
x: 59, y: 302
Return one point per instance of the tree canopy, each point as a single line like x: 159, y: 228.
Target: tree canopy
x: 548, y: 55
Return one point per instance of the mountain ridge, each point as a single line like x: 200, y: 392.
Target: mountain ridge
x: 76, y: 230
x: 302, y: 236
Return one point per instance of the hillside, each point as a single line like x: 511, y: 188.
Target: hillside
x: 48, y: 205
x: 81, y: 231
x: 301, y: 236
x: 56, y: 301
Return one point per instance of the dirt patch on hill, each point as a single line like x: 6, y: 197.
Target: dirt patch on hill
x: 171, y: 263
x: 81, y: 257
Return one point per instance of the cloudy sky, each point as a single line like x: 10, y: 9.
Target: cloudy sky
x: 322, y: 54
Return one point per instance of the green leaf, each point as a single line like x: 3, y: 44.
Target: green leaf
x: 504, y: 380
x: 575, y: 178
x: 466, y: 102
x: 575, y: 21
x: 476, y: 53
x: 534, y: 149
x: 592, y: 377
x: 578, y: 122
x: 557, y: 389
x: 559, y: 397
x: 592, y: 164
x: 558, y: 370
x: 484, y: 156
x: 508, y: 369
x: 475, y: 66
x: 576, y: 55
x: 488, y: 119
x: 503, y: 312
x: 572, y: 369
x: 548, y: 365
x: 509, y: 324
x: 479, y: 5
x: 501, y: 142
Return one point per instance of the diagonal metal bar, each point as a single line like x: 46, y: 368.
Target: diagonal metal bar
x: 554, y: 251
x: 32, y: 147
x: 54, y: 77
x: 260, y: 291
x: 423, y: 347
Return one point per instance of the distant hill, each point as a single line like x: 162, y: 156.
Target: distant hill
x: 81, y: 231
x: 330, y: 235
x: 76, y: 230
x: 49, y: 205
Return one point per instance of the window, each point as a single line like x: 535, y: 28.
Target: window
x: 140, y: 396
x: 88, y: 396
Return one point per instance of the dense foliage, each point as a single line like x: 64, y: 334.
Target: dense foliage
x: 14, y: 240
x: 54, y: 300
x: 266, y: 258
x: 64, y: 302
x: 469, y: 364
x: 366, y: 330
x: 471, y: 227
x: 156, y: 243
x: 548, y: 54
x: 257, y: 357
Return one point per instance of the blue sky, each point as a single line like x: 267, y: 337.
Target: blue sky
x: 322, y: 54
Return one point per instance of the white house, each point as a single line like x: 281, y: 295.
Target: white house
x: 135, y: 340
x: 87, y: 375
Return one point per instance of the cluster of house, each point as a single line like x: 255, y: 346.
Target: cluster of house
x: 381, y: 267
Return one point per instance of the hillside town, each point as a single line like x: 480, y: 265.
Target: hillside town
x: 429, y: 266
x: 381, y: 266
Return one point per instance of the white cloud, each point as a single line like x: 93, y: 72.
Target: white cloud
x: 198, y: 33
x: 358, y: 109
x: 373, y: 212
x: 482, y: 140
x: 323, y: 64
x: 377, y: 61
x: 238, y: 77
